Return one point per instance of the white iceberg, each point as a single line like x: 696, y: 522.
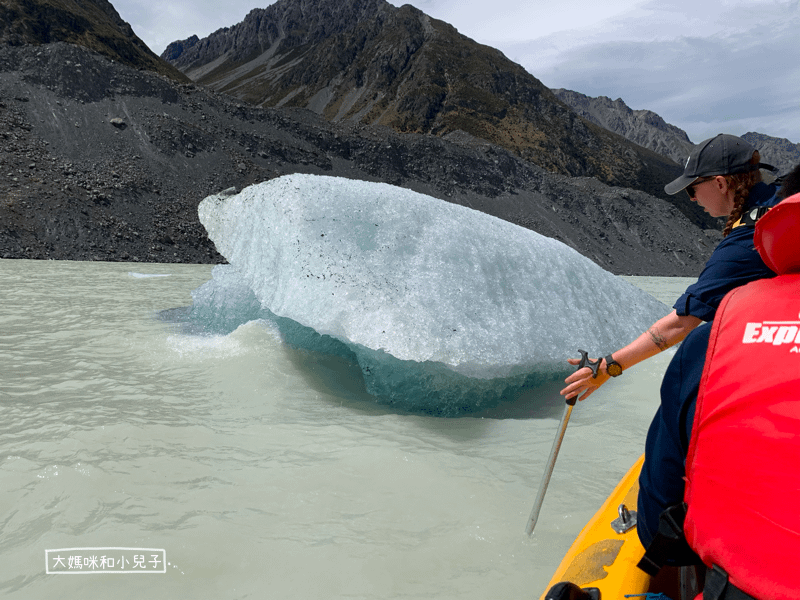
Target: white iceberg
x: 445, y: 308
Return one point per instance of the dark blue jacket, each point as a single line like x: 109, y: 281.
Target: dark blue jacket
x: 733, y: 263
x: 661, y: 481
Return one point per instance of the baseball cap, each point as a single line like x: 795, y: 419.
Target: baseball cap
x: 723, y: 154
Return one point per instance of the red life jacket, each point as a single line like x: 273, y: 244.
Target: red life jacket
x: 743, y: 465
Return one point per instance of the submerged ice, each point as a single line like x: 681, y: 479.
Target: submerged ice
x: 445, y: 309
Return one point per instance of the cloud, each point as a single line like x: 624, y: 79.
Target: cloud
x: 735, y: 79
x: 510, y: 21
x: 160, y: 23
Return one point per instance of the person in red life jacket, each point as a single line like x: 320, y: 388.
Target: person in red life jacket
x: 723, y: 175
x: 730, y: 405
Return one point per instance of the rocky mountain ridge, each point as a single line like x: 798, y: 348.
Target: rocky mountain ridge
x: 778, y: 152
x: 642, y: 127
x: 648, y: 129
x: 367, y: 62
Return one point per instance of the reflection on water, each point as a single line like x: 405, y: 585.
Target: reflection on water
x: 264, y: 470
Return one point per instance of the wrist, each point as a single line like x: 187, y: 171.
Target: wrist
x: 612, y: 367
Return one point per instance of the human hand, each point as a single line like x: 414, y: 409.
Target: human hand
x: 581, y: 383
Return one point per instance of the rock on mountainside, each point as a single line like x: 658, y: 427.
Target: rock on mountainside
x: 93, y: 24
x: 642, y: 127
x: 102, y: 161
x: 367, y: 62
x: 778, y: 152
x: 647, y: 129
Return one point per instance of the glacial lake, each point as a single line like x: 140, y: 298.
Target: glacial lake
x: 137, y: 461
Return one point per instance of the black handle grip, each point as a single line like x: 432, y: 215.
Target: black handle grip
x: 587, y: 362
x: 569, y: 591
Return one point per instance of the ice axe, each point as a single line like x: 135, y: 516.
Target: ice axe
x: 562, y: 428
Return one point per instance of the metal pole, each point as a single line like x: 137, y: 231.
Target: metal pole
x: 551, y: 463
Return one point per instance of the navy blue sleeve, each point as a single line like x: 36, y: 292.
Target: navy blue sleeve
x: 734, y: 262
x: 661, y: 482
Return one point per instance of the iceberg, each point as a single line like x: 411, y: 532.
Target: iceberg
x: 446, y: 310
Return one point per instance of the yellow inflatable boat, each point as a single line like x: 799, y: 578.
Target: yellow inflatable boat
x: 601, y: 563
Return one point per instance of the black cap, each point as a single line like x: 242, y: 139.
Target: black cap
x: 724, y: 154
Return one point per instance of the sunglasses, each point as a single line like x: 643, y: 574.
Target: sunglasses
x: 690, y: 188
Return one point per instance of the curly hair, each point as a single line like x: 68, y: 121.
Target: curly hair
x: 741, y: 184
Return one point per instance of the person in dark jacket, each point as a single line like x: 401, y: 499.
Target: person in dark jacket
x: 662, y: 478
x: 722, y: 174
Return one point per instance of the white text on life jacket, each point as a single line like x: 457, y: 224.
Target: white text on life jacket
x: 772, y: 333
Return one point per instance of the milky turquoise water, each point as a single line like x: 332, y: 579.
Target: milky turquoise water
x: 265, y: 472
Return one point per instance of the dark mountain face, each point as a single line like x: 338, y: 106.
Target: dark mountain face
x: 778, y: 152
x: 367, y: 62
x: 101, y: 161
x: 282, y: 26
x: 93, y: 24
x: 642, y: 127
x: 648, y: 129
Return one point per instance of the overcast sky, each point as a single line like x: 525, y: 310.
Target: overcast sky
x: 722, y: 66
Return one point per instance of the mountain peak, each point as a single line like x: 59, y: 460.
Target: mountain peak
x: 368, y: 62
x: 289, y: 23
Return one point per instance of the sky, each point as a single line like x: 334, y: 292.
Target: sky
x: 708, y: 67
